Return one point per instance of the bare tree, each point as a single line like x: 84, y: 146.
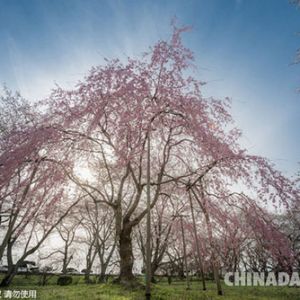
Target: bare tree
x: 67, y: 231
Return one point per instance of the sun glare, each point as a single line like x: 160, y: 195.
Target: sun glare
x: 84, y: 173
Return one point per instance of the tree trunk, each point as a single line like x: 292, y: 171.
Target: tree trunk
x: 126, y: 254
x: 87, y: 275
x: 12, y: 271
x: 101, y: 278
x: 216, y: 274
x: 66, y: 259
x: 154, y: 267
x: 210, y: 238
x: 198, y: 259
x: 9, y: 254
x: 6, y: 281
x: 213, y: 255
x: 89, y: 263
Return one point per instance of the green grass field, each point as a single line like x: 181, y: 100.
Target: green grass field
x: 161, y: 291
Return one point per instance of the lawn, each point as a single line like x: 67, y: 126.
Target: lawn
x: 161, y: 291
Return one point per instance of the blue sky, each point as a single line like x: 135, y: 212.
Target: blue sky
x: 243, y: 48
